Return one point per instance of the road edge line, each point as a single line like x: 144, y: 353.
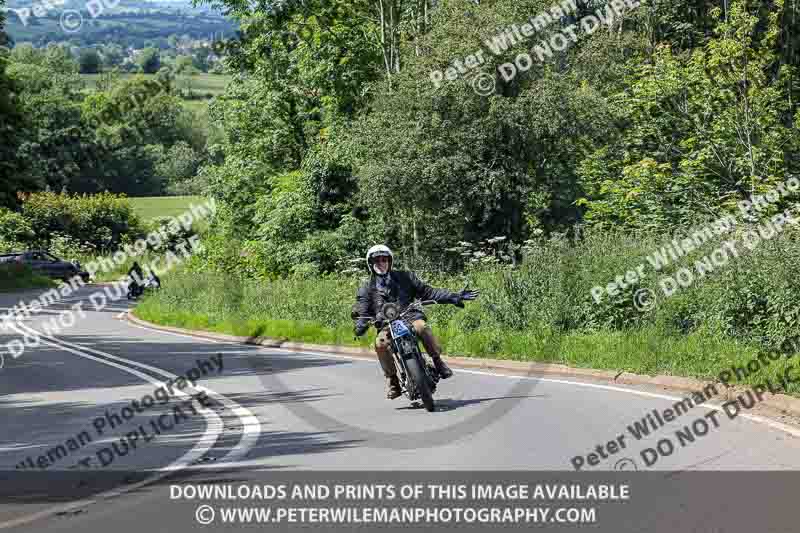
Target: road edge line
x: 781, y: 403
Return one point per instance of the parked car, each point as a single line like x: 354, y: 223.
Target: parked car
x: 46, y: 264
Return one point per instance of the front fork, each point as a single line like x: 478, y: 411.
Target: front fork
x: 401, y: 365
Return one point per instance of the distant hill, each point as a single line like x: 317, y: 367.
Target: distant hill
x: 130, y: 23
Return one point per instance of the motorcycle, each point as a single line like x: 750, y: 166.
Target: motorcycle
x: 417, y: 376
x: 135, y: 290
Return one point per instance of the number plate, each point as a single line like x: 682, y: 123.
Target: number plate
x: 399, y: 329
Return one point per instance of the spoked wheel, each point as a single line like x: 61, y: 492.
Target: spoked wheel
x: 420, y: 380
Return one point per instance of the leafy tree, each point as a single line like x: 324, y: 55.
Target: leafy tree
x: 184, y: 65
x: 706, y: 130
x: 200, y: 58
x: 178, y: 166
x: 135, y: 123
x: 149, y: 60
x: 113, y: 55
x: 333, y: 128
x: 13, y: 179
x: 89, y: 61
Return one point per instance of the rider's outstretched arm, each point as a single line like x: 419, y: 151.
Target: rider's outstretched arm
x: 426, y: 292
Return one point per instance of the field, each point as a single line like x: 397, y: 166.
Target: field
x: 163, y: 206
x: 202, y: 83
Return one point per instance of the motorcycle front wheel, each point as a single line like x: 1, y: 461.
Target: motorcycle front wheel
x: 420, y: 380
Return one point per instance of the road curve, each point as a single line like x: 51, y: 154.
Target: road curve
x: 279, y: 410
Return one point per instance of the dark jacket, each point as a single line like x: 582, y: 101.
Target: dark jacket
x: 136, y: 269
x: 405, y: 287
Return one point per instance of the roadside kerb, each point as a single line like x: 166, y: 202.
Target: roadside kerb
x: 781, y: 403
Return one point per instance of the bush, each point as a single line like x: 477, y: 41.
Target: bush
x: 173, y: 238
x: 753, y: 301
x: 14, y: 227
x: 100, y: 221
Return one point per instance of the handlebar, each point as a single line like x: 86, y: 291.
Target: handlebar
x: 409, y: 307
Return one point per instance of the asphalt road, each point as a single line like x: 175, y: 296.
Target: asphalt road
x: 274, y: 411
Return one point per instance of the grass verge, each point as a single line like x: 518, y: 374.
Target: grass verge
x: 317, y: 311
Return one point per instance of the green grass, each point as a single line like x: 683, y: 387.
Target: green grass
x: 18, y: 277
x: 149, y: 207
x: 201, y: 83
x: 198, y: 106
x: 317, y: 311
x: 204, y: 83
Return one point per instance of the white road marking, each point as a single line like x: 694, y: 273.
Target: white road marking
x: 214, y: 424
x: 250, y: 424
x: 711, y: 406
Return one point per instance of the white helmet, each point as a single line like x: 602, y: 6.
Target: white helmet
x: 378, y: 250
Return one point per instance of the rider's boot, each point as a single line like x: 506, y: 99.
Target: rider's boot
x: 441, y: 367
x: 393, y: 387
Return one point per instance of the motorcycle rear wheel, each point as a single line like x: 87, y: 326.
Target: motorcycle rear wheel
x: 420, y: 380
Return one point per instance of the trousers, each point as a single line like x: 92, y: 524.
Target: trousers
x: 383, y: 346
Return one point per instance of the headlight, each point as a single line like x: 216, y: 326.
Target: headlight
x: 390, y: 311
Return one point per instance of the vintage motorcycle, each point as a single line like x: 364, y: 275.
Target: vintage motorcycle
x: 417, y: 376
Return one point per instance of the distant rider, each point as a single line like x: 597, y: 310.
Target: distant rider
x: 136, y: 275
x: 155, y: 279
x: 389, y: 286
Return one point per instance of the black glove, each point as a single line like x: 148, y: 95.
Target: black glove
x: 465, y: 296
x: 361, y: 327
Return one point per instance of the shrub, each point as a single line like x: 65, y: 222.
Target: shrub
x: 14, y: 227
x: 100, y: 221
x: 174, y: 238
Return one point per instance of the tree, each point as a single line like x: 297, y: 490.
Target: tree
x: 112, y: 55
x: 178, y: 166
x: 200, y: 58
x: 149, y: 60
x: 89, y: 61
x: 706, y: 130
x: 184, y: 65
x: 13, y: 179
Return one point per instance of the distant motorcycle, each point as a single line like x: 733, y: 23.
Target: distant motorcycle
x: 418, y: 377
x: 135, y: 289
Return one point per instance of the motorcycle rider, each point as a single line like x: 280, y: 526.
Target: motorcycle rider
x: 155, y: 280
x: 386, y: 285
x: 136, y: 275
